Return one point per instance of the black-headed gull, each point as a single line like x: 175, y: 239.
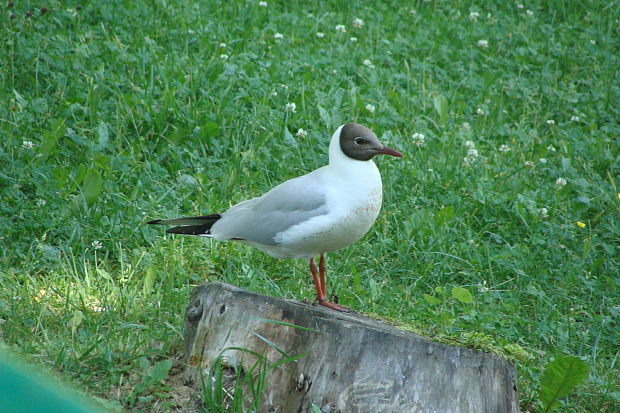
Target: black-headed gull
x: 320, y: 212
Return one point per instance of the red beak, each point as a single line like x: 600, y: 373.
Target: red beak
x: 389, y: 151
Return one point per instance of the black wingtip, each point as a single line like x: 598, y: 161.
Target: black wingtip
x: 190, y: 229
x: 154, y: 222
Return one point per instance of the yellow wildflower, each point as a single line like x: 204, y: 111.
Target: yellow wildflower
x: 581, y: 224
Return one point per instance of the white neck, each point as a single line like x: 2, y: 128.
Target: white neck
x: 346, y: 166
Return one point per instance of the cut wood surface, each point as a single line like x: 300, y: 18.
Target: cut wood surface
x: 348, y: 363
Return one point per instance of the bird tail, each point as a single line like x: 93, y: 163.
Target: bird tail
x: 190, y: 225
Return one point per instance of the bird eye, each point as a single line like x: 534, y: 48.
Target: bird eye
x: 360, y: 141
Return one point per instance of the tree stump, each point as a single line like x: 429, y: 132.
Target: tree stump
x: 347, y: 363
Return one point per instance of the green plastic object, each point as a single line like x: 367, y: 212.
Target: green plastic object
x: 22, y: 390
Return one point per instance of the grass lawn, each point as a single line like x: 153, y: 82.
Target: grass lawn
x: 118, y: 112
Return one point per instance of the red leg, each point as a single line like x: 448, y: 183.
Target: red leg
x: 320, y: 286
x: 320, y: 295
x: 322, y: 274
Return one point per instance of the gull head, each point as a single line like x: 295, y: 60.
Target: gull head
x: 360, y: 143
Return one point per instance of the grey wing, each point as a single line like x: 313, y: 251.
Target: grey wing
x: 260, y: 219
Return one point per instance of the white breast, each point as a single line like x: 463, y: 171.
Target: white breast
x: 356, y: 223
x: 353, y: 204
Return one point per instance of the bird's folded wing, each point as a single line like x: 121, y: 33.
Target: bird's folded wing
x: 260, y: 219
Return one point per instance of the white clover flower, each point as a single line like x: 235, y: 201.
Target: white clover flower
x: 529, y: 164
x: 413, y: 11
x: 483, y: 44
x: 466, y: 126
x: 473, y: 16
x: 503, y: 148
x: 97, y: 308
x: 291, y: 107
x: 370, y: 108
x: 470, y: 144
x: 368, y: 63
x: 542, y: 160
x: 27, y: 145
x: 301, y: 133
x: 551, y: 148
x: 353, y: 39
x: 320, y: 35
x: 418, y: 139
x: 341, y: 28
x: 278, y: 36
x: 274, y: 93
x: 560, y: 182
x: 262, y: 3
x: 41, y: 202
x: 529, y: 12
x: 480, y: 111
x: 520, y: 6
x: 358, y: 23
x: 224, y: 56
x: 543, y: 212
x: 97, y: 244
x: 593, y: 41
x: 222, y: 45
x: 472, y: 156
x: 574, y: 118
x: 550, y: 122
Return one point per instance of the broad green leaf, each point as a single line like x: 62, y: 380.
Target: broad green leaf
x: 178, y: 135
x: 444, y: 215
x: 104, y: 274
x: 50, y: 139
x: 315, y: 408
x: 149, y: 280
x: 76, y: 320
x: 560, y: 377
x: 566, y: 164
x: 21, y: 102
x: 288, y: 138
x: 359, y: 102
x: 103, y: 134
x: 462, y: 294
x: 338, y: 97
x: 441, y: 106
x: 325, y: 117
x: 517, y: 352
x: 157, y: 373
x: 91, y: 187
x: 138, y: 189
x: 431, y: 300
x: 48, y: 144
x: 210, y: 129
x: 160, y: 371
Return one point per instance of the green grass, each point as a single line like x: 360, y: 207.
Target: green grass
x: 133, y: 113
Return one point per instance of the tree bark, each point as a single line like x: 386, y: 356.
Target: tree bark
x: 347, y: 363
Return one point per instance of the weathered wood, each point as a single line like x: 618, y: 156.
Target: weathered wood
x: 352, y: 363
